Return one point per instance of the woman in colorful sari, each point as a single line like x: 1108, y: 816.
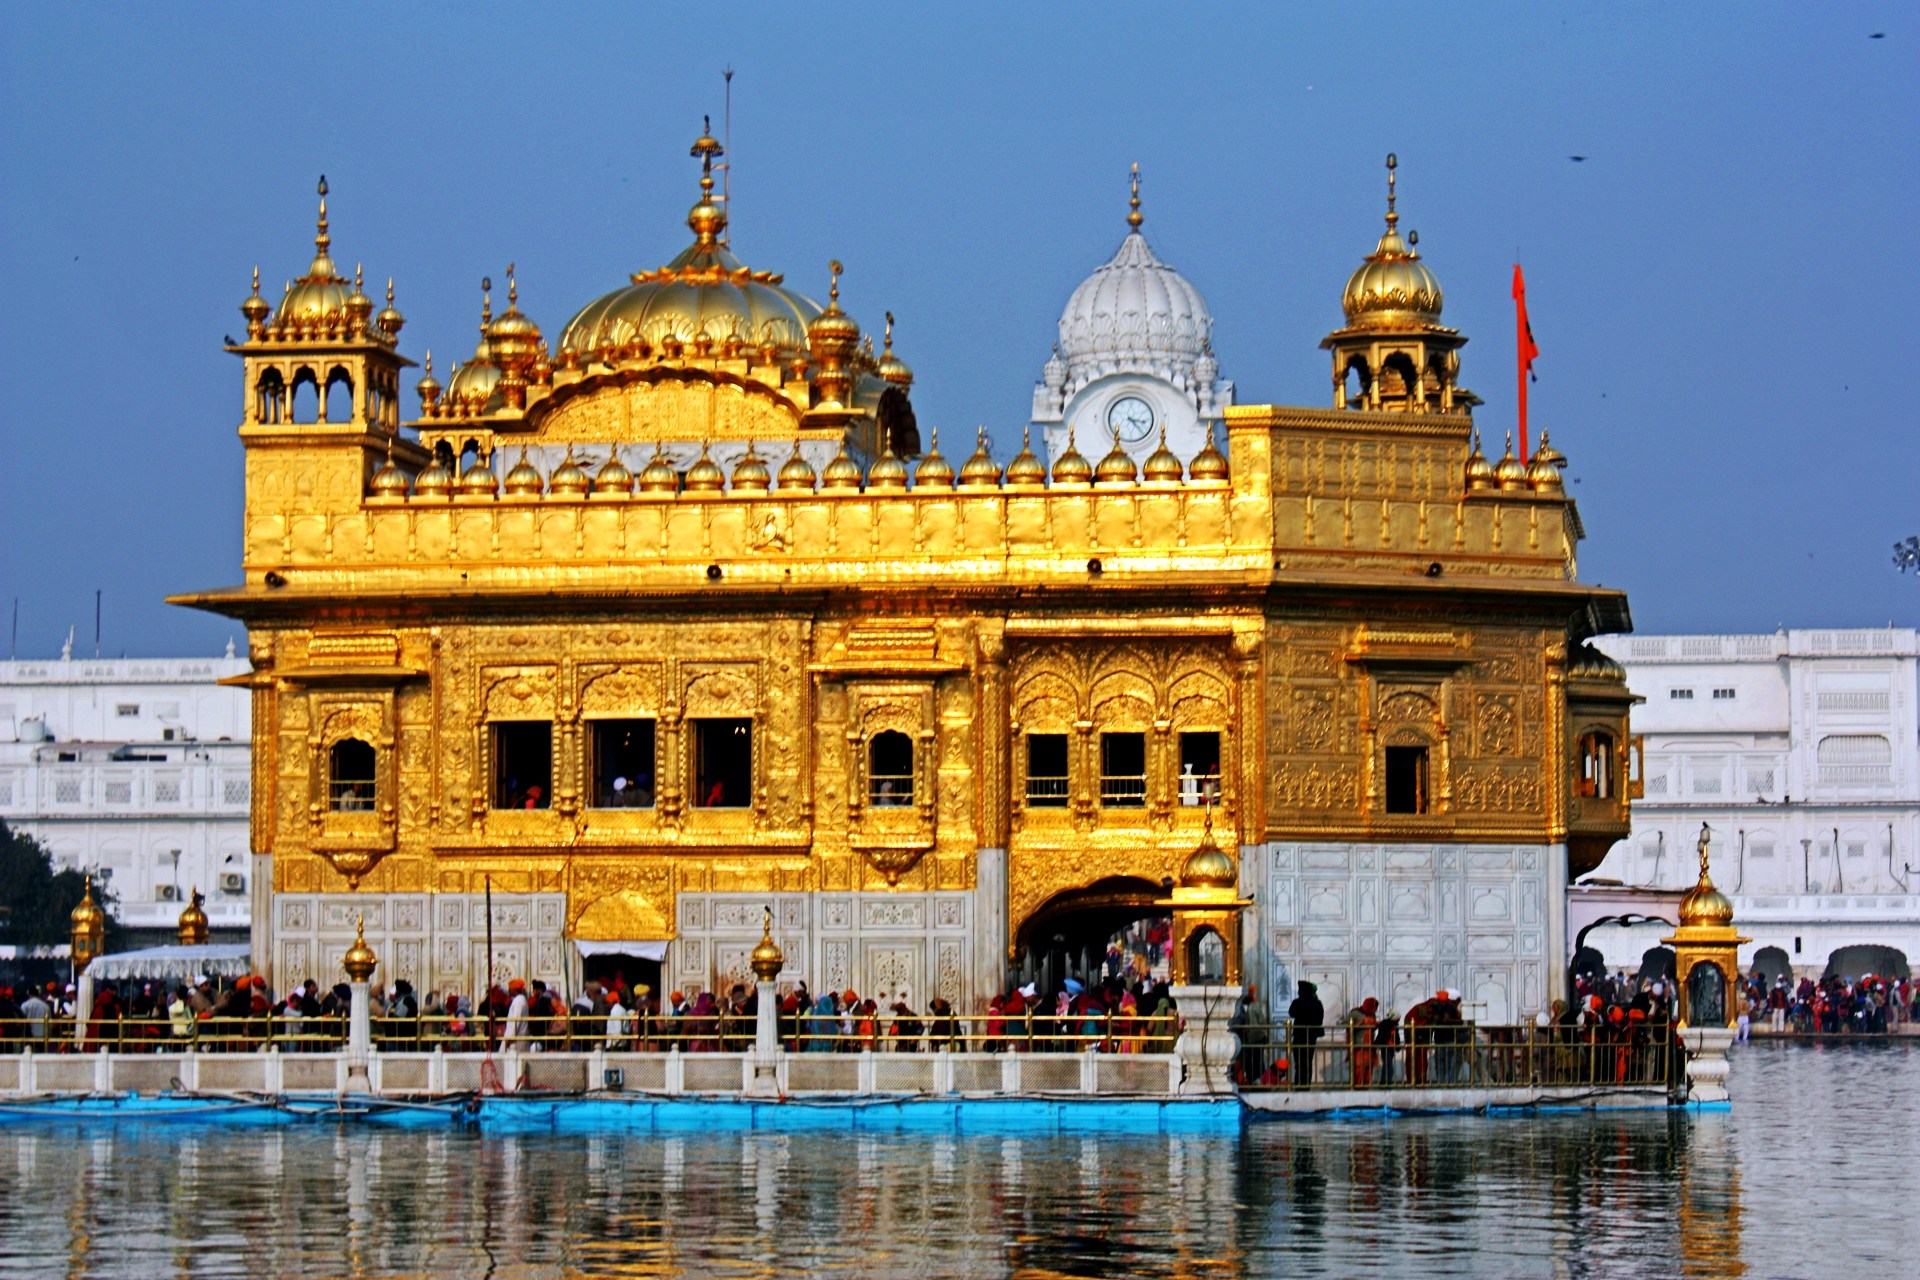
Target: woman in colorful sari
x: 703, y: 1025
x: 823, y: 1026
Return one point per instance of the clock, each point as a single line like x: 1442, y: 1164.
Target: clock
x: 1131, y: 419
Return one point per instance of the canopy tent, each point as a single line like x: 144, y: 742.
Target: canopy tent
x: 655, y: 951
x: 222, y: 960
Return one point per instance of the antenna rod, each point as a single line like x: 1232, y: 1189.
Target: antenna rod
x: 96, y: 622
x: 726, y: 170
x: 13, y: 649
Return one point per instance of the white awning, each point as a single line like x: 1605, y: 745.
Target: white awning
x: 222, y: 960
x: 655, y: 951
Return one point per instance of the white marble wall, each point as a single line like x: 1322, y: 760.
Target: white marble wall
x: 438, y: 942
x: 1400, y: 921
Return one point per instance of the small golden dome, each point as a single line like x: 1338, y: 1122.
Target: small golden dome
x: 1479, y: 470
x: 513, y: 339
x: 1588, y: 663
x: 359, y: 305
x: 256, y: 308
x: 524, y: 480
x: 750, y: 475
x: 191, y: 928
x: 1117, y: 467
x: 1392, y: 288
x: 843, y: 472
x: 478, y: 480
x: 705, y: 476
x: 389, y: 481
x: 887, y: 472
x: 359, y: 962
x: 934, y: 472
x: 834, y: 328
x: 767, y: 959
x: 796, y: 472
x: 390, y: 321
x: 892, y: 367
x: 658, y: 476
x: 433, y: 482
x: 473, y: 384
x: 1209, y: 463
x: 428, y: 386
x: 1207, y: 867
x: 569, y: 479
x: 1543, y: 473
x: 1026, y: 467
x: 1163, y: 464
x: 613, y: 476
x: 1511, y: 473
x: 1071, y: 467
x: 1704, y: 906
x: 88, y: 917
x: 980, y: 471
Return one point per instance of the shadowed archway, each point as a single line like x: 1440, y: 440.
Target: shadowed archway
x: 1067, y: 935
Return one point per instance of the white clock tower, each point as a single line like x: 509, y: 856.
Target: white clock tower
x: 1135, y: 356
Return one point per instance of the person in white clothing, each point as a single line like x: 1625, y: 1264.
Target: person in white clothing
x: 619, y: 1025
x: 515, y: 1031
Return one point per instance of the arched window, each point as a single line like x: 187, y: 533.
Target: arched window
x: 336, y: 405
x: 350, y: 776
x: 1596, y: 765
x: 890, y: 770
x: 270, y: 404
x: 303, y: 403
x: 1206, y: 956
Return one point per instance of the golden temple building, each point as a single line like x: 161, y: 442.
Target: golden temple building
x: 630, y: 632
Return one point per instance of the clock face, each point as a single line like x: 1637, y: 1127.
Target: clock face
x: 1130, y: 418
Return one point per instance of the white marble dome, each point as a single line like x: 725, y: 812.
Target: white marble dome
x: 1134, y: 313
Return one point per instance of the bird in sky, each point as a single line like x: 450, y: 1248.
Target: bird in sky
x: 1878, y: 35
x: 1578, y: 159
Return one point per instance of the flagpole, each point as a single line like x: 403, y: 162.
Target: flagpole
x: 1524, y: 352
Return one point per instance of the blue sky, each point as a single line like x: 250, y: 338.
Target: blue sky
x: 1723, y: 291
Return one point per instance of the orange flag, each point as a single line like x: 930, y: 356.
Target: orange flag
x: 1525, y: 349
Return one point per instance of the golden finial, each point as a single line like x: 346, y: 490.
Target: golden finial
x: 833, y: 288
x: 359, y: 278
x: 888, y: 348
x: 256, y: 281
x: 1393, y: 163
x: 322, y: 240
x: 1706, y: 839
x: 486, y: 303
x: 1134, y: 216
x: 513, y: 289
x: 389, y: 291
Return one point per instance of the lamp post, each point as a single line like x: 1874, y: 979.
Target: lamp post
x: 1206, y: 911
x: 1705, y: 959
x: 766, y: 961
x: 359, y: 962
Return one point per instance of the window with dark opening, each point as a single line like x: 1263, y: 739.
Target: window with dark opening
x: 350, y: 776
x: 522, y: 764
x: 1406, y: 779
x: 622, y: 764
x: 1199, y: 768
x: 723, y: 763
x: 1046, y: 771
x: 1123, y: 770
x: 1596, y: 766
x: 890, y: 770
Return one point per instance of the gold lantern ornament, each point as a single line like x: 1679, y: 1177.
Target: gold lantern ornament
x: 1706, y: 950
x: 359, y: 962
x: 1206, y: 913
x: 192, y: 928
x: 89, y: 931
x: 767, y: 959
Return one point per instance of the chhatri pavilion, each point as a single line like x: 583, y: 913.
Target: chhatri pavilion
x: 633, y: 627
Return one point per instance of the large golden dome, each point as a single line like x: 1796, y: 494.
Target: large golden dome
x: 706, y: 295
x: 1392, y: 288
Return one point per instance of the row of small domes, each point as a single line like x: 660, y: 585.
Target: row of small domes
x: 1541, y: 475
x: 752, y: 475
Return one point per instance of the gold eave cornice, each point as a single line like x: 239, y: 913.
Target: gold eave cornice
x: 320, y: 347
x: 344, y: 673
x: 1041, y: 626
x: 1371, y: 423
x: 834, y: 667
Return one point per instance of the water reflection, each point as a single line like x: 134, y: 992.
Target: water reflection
x: 1627, y: 1194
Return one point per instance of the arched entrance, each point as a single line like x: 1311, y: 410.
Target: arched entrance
x: 1090, y: 933
x: 1860, y: 960
x: 1771, y: 964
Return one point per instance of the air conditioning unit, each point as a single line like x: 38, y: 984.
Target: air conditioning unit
x: 169, y: 893
x: 233, y: 882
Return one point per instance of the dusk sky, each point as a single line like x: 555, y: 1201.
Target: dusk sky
x: 1723, y: 290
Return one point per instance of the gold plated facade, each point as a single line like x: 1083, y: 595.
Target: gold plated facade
x: 1332, y: 587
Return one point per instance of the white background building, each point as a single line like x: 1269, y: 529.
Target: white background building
x: 138, y: 769
x: 1801, y: 752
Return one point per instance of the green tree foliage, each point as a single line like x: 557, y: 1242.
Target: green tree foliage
x: 36, y: 900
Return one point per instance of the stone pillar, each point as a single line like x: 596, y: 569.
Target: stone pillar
x: 1207, y: 1046
x: 991, y: 938
x: 1707, y: 1063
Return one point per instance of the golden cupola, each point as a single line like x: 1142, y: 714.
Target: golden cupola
x: 1479, y: 473
x: 1117, y: 467
x: 832, y: 340
x: 472, y: 387
x: 315, y: 305
x: 888, y: 472
x: 389, y: 481
x: 569, y: 479
x: 514, y: 346
x: 658, y: 476
x: 1026, y: 467
x: 933, y: 471
x: 891, y: 367
x: 842, y: 472
x: 1543, y: 472
x: 750, y: 474
x: 1163, y: 464
x: 1072, y: 467
x: 524, y: 481
x: 705, y: 476
x: 796, y: 472
x: 980, y: 471
x: 1393, y: 353
x: 1510, y: 474
x: 705, y: 296
x: 613, y: 478
x: 1208, y: 464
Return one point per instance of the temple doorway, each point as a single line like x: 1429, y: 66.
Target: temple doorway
x: 1109, y: 929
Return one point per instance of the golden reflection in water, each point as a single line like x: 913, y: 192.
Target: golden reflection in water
x: 1710, y: 1202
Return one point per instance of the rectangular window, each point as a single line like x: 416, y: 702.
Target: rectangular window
x: 522, y: 764
x: 723, y: 764
x: 166, y: 791
x: 1856, y: 850
x: 1760, y: 850
x: 1047, y: 771
x: 1199, y: 769
x: 1680, y: 695
x: 236, y: 790
x: 622, y: 764
x: 66, y: 791
x: 126, y: 709
x: 119, y: 793
x: 1723, y: 695
x: 1406, y: 779
x: 1123, y: 770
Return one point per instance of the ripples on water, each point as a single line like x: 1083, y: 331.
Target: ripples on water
x: 1804, y: 1178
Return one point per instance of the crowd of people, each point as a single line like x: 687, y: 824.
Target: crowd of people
x: 1835, y: 1005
